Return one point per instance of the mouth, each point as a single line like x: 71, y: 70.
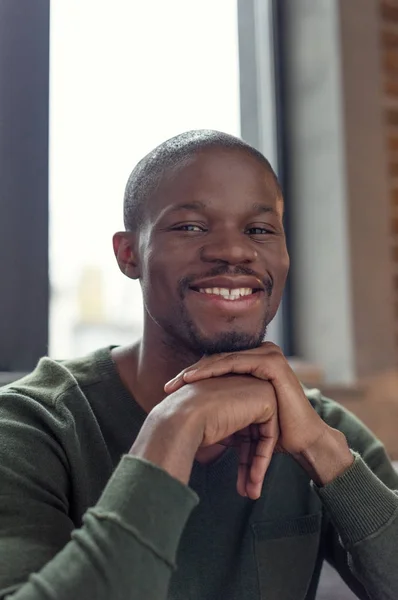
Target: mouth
x: 229, y: 301
x: 229, y: 294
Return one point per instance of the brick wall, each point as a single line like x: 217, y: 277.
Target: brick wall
x: 374, y: 399
x: 389, y: 71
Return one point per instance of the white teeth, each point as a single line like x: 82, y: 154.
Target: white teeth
x: 226, y: 293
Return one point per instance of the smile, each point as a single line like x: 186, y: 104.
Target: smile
x: 227, y: 293
x: 233, y: 301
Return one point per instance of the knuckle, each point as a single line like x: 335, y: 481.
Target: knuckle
x: 272, y: 346
x: 201, y: 363
x: 232, y: 356
x: 278, y: 358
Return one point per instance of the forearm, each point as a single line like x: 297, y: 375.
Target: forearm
x: 127, y: 545
x: 170, y: 441
x: 364, y: 513
x: 328, y: 458
x: 363, y: 510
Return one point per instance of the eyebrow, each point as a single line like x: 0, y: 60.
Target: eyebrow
x: 196, y: 205
x: 257, y: 208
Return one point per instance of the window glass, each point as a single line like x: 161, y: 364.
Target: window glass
x: 124, y: 76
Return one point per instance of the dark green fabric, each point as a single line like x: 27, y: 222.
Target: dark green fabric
x: 80, y: 519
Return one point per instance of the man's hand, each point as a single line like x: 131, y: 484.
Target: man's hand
x: 321, y: 450
x: 238, y: 409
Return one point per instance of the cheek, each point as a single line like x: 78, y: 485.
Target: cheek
x: 278, y: 262
x: 150, y: 271
x: 157, y: 278
x: 284, y: 267
x: 279, y: 268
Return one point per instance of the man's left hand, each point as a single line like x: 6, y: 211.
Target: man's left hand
x: 320, y: 449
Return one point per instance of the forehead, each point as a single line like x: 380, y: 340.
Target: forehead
x: 229, y: 179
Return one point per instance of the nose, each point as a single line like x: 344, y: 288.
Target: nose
x: 233, y: 248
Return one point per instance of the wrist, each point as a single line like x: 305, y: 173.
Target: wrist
x: 328, y: 458
x: 169, y: 440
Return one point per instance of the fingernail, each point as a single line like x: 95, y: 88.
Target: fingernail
x: 189, y: 374
x: 169, y: 384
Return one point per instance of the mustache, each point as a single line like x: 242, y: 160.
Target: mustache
x: 186, y: 282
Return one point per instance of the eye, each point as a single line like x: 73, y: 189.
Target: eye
x: 189, y: 227
x: 259, y: 231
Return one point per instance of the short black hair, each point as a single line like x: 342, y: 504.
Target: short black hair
x: 146, y: 174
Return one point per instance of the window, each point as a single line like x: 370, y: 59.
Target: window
x: 124, y: 76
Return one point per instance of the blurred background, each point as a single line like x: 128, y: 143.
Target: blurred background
x: 90, y: 86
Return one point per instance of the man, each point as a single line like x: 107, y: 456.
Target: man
x: 197, y: 446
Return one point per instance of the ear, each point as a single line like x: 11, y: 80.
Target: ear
x: 124, y: 247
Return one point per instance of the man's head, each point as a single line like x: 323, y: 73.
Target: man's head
x: 204, y: 234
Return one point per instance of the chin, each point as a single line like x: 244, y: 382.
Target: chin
x: 217, y: 337
x: 231, y: 341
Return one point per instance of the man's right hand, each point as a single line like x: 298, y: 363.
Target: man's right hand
x: 233, y: 409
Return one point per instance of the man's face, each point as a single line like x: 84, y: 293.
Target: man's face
x: 212, y: 253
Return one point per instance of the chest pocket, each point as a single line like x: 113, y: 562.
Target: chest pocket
x: 286, y: 553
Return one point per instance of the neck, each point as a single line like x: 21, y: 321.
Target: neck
x: 146, y: 366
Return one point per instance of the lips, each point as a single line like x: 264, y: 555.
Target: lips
x: 228, y: 283
x: 227, y: 293
x: 223, y: 306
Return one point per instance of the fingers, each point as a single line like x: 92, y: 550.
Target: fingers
x: 245, y: 440
x: 239, y: 364
x: 255, y: 454
x: 269, y: 435
x: 245, y: 362
x: 175, y: 384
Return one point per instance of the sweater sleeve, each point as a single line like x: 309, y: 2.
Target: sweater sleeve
x: 127, y: 545
x: 363, y: 508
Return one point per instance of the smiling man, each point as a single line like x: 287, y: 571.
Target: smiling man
x: 197, y: 447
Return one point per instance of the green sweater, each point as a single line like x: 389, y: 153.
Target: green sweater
x: 80, y: 520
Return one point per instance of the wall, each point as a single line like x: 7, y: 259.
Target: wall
x: 341, y: 71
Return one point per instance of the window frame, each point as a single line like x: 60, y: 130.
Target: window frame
x: 24, y: 149
x: 262, y: 111
x: 24, y: 111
